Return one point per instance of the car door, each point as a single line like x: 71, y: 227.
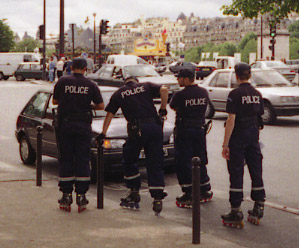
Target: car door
x: 35, y: 71
x: 219, y: 90
x: 26, y: 71
x: 105, y: 76
x: 117, y: 79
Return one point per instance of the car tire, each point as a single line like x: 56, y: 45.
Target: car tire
x: 210, y: 112
x: 27, y: 153
x: 1, y: 76
x: 269, y: 116
x: 19, y: 78
x: 6, y: 77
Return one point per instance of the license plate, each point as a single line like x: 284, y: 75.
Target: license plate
x: 142, y: 154
x: 206, y: 69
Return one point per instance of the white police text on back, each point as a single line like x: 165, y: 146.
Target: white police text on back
x: 76, y: 89
x: 250, y: 99
x: 195, y: 101
x: 131, y: 92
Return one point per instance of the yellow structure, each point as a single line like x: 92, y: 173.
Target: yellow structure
x: 149, y: 47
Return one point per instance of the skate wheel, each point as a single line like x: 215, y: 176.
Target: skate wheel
x: 137, y: 206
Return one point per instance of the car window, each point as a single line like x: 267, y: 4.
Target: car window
x: 254, y: 65
x: 27, y: 58
x: 234, y: 83
x: 107, y: 72
x: 220, y: 80
x: 34, y: 67
x: 26, y: 67
x: 269, y: 78
x: 141, y: 62
x: 36, y: 106
x: 139, y: 71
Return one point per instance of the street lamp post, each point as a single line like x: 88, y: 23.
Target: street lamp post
x: 73, y: 40
x: 61, y: 35
x: 94, y: 36
x: 44, y: 44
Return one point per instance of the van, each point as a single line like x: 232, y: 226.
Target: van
x: 120, y: 59
x: 9, y: 62
x: 226, y: 62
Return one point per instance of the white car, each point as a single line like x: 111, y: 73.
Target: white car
x: 279, y: 66
x: 281, y: 98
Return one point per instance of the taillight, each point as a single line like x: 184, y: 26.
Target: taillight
x: 292, y: 71
x: 197, y: 69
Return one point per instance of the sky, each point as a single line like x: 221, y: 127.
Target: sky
x: 27, y: 15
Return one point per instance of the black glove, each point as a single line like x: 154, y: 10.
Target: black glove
x: 100, y: 138
x: 162, y: 112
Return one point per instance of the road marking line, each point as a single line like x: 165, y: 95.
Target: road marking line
x: 279, y: 207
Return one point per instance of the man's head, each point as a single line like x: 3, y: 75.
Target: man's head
x: 79, y: 65
x: 131, y: 79
x: 243, y: 71
x: 186, y: 77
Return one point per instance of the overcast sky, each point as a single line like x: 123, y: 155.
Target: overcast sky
x: 27, y: 15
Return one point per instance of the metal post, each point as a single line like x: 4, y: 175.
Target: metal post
x: 196, y: 200
x: 100, y: 50
x: 61, y: 34
x: 94, y: 38
x: 39, y: 148
x: 100, y: 175
x: 73, y: 41
x: 261, y: 37
x: 44, y: 44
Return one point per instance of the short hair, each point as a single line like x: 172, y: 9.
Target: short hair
x: 243, y: 70
x: 186, y: 73
x: 79, y: 63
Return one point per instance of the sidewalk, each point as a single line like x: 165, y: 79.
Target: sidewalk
x: 30, y: 217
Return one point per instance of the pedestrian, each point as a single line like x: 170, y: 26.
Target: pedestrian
x: 67, y: 66
x: 90, y: 65
x: 55, y: 60
x: 59, y: 66
x: 241, y: 145
x: 190, y: 105
x: 74, y: 95
x: 51, y: 70
x: 144, y: 131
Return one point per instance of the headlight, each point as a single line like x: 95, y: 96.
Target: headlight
x: 171, y: 139
x: 287, y: 99
x: 113, y: 143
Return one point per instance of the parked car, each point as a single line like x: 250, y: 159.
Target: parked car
x: 39, y: 112
x: 114, y: 75
x: 281, y: 98
x: 226, y: 62
x: 293, y: 64
x: 29, y: 70
x: 176, y: 67
x: 161, y: 67
x: 279, y: 66
x: 205, y: 68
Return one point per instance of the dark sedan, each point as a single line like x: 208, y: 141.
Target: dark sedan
x: 176, y: 67
x: 29, y: 70
x: 38, y: 112
x: 205, y: 68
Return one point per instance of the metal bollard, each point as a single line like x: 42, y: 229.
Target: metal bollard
x: 196, y: 200
x: 100, y: 174
x: 39, y: 144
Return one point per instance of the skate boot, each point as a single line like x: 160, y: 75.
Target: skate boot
x: 206, y: 196
x: 158, y: 204
x: 65, y: 202
x: 132, y: 199
x: 256, y: 213
x: 81, y: 202
x: 234, y: 218
x: 184, y: 201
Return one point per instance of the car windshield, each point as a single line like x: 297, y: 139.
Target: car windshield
x: 139, y: 71
x: 208, y: 63
x: 106, y: 97
x: 269, y: 79
x: 273, y: 64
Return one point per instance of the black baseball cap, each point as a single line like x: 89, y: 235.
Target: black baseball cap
x: 186, y: 73
x: 242, y: 69
x: 79, y: 63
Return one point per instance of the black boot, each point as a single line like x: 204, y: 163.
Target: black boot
x: 132, y: 199
x: 65, y: 202
x: 184, y: 201
x: 158, y: 204
x: 206, y: 196
x: 256, y: 213
x: 233, y: 218
x: 81, y: 202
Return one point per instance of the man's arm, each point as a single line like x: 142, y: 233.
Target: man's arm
x: 229, y: 127
x: 164, y: 97
x: 107, y: 121
x: 99, y: 106
x: 54, y: 101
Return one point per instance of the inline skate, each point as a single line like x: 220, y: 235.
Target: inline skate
x: 234, y: 218
x: 256, y: 213
x: 65, y: 202
x: 81, y: 202
x: 131, y: 200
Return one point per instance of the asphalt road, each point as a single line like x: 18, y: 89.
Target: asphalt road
x: 281, y: 175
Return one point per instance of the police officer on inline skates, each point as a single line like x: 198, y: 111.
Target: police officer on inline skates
x: 144, y: 131
x: 241, y: 145
x: 190, y: 105
x: 74, y: 94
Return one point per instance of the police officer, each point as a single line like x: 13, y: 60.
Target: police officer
x: 241, y: 145
x: 190, y: 136
x: 74, y: 95
x: 144, y: 131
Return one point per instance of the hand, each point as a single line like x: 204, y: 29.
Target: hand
x: 225, y: 152
x: 100, y: 138
x: 162, y: 112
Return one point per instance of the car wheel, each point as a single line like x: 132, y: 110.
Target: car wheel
x: 19, y: 78
x: 269, y: 116
x: 1, y: 76
x: 27, y: 153
x: 210, y: 111
x: 6, y: 77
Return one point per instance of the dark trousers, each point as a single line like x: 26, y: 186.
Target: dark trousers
x: 74, y: 158
x: 152, y: 141
x: 189, y: 143
x: 244, y: 148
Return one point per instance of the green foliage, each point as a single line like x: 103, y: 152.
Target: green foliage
x: 27, y: 45
x: 253, y: 8
x: 250, y: 47
x: 246, y: 39
x: 6, y: 37
x: 193, y: 55
x: 294, y: 30
x: 294, y: 48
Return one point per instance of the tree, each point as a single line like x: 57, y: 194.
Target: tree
x: 246, y: 39
x: 294, y: 48
x: 278, y: 9
x: 6, y: 37
x: 294, y: 30
x: 27, y: 45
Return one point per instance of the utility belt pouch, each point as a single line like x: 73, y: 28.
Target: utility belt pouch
x: 133, y: 129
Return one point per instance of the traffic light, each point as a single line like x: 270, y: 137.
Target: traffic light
x: 273, y: 30
x: 41, y: 32
x: 104, y: 27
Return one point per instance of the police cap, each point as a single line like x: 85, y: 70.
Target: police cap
x: 79, y: 63
x: 186, y: 73
x: 131, y: 79
x: 242, y: 69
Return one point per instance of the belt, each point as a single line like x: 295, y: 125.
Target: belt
x: 190, y: 123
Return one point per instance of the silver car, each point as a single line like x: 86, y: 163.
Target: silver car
x: 281, y: 98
